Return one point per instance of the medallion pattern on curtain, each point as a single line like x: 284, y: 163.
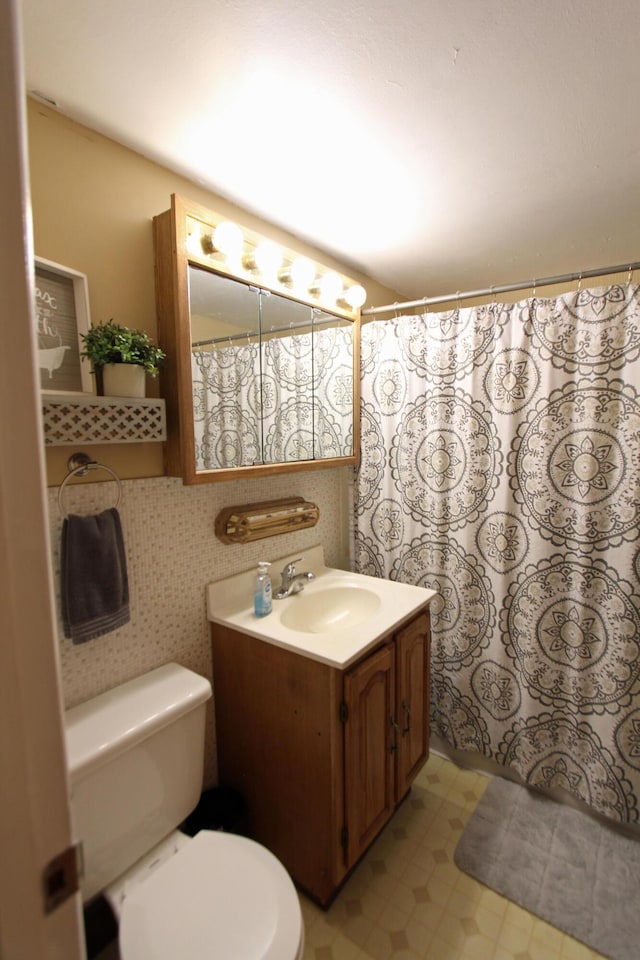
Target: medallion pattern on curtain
x: 289, y: 399
x: 501, y: 468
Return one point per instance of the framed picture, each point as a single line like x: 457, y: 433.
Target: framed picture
x: 62, y: 314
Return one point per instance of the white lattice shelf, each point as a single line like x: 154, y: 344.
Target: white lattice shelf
x: 81, y: 418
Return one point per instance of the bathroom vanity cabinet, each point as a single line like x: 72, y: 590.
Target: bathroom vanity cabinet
x: 321, y: 755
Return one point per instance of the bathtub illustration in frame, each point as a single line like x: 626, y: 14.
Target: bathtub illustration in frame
x: 62, y: 314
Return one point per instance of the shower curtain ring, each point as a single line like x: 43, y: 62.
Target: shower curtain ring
x: 630, y: 274
x: 579, y: 281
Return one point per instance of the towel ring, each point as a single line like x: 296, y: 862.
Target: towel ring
x: 78, y: 465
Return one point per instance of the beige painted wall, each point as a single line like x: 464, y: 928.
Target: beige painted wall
x: 93, y: 204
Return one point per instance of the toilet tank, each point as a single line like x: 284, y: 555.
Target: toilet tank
x: 136, y: 757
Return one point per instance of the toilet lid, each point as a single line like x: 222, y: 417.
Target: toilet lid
x: 220, y: 896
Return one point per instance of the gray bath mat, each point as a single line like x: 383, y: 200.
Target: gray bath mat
x: 559, y: 864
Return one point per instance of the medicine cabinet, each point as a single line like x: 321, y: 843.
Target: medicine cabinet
x: 259, y: 377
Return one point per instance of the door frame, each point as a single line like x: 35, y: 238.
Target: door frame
x: 35, y: 817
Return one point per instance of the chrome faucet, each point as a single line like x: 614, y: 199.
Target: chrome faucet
x: 292, y: 582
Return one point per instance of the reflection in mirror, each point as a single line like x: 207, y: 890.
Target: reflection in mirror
x: 225, y: 367
x: 333, y: 384
x: 287, y: 379
x: 272, y: 377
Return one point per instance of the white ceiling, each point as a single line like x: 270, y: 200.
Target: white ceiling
x: 436, y: 145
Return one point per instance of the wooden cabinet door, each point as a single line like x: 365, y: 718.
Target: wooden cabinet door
x: 412, y: 701
x: 369, y: 692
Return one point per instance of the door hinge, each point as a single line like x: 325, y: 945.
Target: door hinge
x: 61, y: 877
x: 344, y: 712
x: 344, y: 837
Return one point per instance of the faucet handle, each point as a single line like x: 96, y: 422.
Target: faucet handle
x: 288, y: 572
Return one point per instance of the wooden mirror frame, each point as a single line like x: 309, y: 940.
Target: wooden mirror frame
x: 172, y: 259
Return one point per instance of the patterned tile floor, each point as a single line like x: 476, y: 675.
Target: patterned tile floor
x: 407, y: 900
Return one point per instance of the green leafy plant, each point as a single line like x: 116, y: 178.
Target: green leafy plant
x: 112, y: 343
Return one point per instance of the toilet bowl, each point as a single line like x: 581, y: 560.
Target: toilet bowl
x: 135, y: 759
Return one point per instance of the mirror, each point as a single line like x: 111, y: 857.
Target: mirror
x: 265, y: 382
x: 272, y: 377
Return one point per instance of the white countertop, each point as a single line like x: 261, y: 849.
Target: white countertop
x: 230, y: 602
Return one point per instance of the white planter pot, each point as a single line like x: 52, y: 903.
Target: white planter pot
x: 123, y: 380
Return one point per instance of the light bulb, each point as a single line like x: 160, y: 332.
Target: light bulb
x: 268, y: 257
x: 228, y: 239
x: 330, y: 287
x: 355, y: 296
x: 302, y: 273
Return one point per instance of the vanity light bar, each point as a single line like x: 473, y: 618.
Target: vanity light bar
x: 248, y: 256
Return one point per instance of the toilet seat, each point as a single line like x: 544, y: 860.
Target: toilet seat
x: 220, y: 896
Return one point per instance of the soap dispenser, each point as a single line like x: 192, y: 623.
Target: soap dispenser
x: 262, y: 590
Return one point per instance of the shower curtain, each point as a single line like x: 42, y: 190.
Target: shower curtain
x: 289, y: 398
x: 501, y: 468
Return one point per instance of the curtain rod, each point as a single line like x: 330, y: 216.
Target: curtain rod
x: 506, y: 288
x: 247, y: 334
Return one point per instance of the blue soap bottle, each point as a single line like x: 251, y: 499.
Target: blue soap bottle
x: 262, y: 590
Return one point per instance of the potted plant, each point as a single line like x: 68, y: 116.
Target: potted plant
x: 120, y: 358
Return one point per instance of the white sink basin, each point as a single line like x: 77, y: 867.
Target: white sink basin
x: 336, y: 618
x: 329, y: 608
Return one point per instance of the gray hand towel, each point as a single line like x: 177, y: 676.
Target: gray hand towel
x: 94, y: 583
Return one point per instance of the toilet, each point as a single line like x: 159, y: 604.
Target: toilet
x: 136, y: 759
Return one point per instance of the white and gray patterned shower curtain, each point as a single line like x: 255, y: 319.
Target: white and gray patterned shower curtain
x: 501, y: 468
